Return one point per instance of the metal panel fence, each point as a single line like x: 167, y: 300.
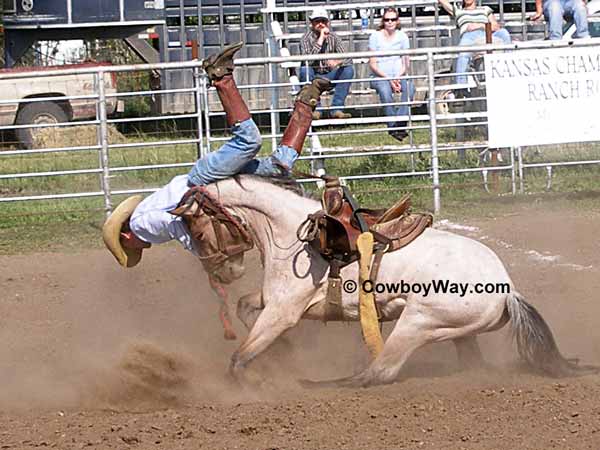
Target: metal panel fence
x: 444, y: 129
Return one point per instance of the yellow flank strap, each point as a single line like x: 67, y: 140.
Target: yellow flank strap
x: 367, y: 311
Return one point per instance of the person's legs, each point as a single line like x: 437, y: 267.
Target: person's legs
x: 462, y: 62
x: 384, y: 90
x: 284, y: 157
x: 503, y: 35
x: 578, y: 11
x: 246, y: 140
x: 553, y: 13
x: 219, y: 68
x: 230, y: 158
x: 306, y: 74
x: 408, y: 93
x: 341, y: 89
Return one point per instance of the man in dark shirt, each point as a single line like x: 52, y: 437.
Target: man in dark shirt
x: 320, y: 39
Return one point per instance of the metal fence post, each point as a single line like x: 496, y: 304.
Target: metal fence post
x: 198, y: 96
x: 103, y: 141
x: 513, y: 171
x: 521, y: 180
x: 433, y: 129
x: 273, y: 78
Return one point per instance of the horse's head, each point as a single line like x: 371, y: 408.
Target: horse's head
x: 217, y: 238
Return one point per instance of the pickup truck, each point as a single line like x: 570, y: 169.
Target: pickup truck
x: 54, y: 110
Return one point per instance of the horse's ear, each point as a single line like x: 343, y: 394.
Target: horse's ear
x: 186, y: 209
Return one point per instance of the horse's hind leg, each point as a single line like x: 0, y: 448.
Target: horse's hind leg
x: 469, y: 353
x: 410, y: 333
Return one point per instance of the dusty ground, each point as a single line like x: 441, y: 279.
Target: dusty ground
x: 93, y: 356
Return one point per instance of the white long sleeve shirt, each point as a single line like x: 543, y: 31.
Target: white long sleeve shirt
x: 151, y: 221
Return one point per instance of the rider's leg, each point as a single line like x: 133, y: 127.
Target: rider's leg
x: 306, y: 75
x: 290, y: 147
x: 578, y: 11
x: 219, y: 68
x: 246, y: 140
x: 553, y: 13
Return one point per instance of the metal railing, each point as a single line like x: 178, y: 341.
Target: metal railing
x: 426, y: 125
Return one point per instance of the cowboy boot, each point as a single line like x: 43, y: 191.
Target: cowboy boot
x: 306, y: 102
x: 219, y: 68
x: 218, y: 65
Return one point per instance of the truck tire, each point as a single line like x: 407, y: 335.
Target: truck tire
x: 37, y: 113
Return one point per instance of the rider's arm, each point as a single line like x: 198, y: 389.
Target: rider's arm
x: 151, y: 222
x: 447, y: 6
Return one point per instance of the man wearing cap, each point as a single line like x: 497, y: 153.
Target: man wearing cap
x: 320, y: 39
x: 136, y: 224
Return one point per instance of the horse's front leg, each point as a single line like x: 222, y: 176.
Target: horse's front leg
x: 278, y: 316
x: 249, y: 308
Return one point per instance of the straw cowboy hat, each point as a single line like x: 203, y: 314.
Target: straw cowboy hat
x: 111, y: 232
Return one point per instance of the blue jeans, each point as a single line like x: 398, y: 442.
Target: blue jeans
x: 556, y: 10
x: 341, y: 90
x: 386, y: 95
x: 238, y: 156
x: 470, y: 38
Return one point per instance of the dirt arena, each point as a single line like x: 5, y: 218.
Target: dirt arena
x: 94, y: 356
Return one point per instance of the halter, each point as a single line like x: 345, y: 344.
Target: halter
x: 242, y: 241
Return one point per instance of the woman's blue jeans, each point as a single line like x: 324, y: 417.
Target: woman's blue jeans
x: 386, y: 95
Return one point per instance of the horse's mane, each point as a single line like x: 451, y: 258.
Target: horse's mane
x: 285, y: 182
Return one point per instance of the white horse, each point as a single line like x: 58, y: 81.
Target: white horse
x: 295, y: 284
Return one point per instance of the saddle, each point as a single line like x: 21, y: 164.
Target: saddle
x: 333, y: 232
x: 336, y: 227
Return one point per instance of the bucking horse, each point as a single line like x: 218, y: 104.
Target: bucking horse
x: 229, y: 217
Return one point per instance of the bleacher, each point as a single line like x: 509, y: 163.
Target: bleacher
x: 284, y: 23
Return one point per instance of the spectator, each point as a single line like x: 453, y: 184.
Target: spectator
x: 389, y: 37
x: 320, y: 39
x: 471, y: 20
x: 555, y: 10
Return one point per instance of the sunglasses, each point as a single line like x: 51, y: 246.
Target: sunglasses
x: 395, y: 19
x: 318, y: 21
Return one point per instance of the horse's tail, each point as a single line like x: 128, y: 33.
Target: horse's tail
x: 536, y: 343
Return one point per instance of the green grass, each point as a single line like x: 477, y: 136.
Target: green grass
x: 75, y: 223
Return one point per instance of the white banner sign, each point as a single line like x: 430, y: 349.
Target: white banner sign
x: 547, y: 96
